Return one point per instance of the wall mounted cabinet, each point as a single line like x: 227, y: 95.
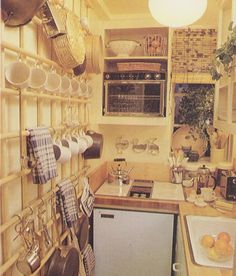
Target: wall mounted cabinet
x: 135, y: 90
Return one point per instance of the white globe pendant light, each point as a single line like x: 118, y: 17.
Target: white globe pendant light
x: 177, y: 13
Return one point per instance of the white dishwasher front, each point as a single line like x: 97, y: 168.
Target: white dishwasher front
x: 132, y: 243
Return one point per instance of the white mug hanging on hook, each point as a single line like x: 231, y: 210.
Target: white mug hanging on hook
x: 83, y: 87
x: 62, y: 154
x: 18, y: 74
x: 38, y: 77
x: 53, y: 82
x: 89, y: 91
x: 82, y: 141
x: 65, y: 85
x: 74, y: 87
x: 72, y: 145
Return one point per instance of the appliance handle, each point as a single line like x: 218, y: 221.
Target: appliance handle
x: 215, y: 181
x: 176, y: 267
x: 110, y: 216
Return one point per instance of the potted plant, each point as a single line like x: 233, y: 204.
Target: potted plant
x: 224, y: 55
x: 196, y: 109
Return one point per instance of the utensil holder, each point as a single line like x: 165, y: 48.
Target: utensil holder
x: 177, y: 175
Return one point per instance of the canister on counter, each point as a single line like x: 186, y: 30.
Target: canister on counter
x: 177, y: 175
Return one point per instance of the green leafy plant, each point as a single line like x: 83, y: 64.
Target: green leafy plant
x: 224, y: 55
x: 196, y: 109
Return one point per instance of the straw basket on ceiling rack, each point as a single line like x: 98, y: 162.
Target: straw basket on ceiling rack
x: 94, y: 53
x: 70, y: 47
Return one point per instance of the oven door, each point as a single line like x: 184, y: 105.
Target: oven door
x: 134, y: 98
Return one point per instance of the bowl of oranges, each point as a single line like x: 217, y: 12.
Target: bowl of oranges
x: 218, y: 247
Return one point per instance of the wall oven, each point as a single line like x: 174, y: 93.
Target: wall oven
x: 140, y: 94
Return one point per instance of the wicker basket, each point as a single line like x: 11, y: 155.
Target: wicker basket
x: 139, y: 66
x: 155, y: 45
x: 94, y: 53
x: 70, y: 48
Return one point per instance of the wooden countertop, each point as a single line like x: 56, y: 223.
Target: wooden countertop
x: 153, y: 205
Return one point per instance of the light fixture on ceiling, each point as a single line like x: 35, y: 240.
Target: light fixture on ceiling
x: 177, y: 13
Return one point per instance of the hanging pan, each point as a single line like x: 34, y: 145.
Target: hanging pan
x: 65, y: 260
x: 81, y: 227
x: 19, y: 12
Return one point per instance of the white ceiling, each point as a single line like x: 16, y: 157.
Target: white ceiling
x: 134, y: 9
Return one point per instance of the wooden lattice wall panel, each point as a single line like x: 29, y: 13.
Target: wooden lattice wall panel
x: 193, y: 50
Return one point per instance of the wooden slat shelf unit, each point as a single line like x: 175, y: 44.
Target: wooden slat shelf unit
x: 50, y: 110
x: 24, y: 133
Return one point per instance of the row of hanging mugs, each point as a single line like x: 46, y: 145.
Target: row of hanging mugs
x: 71, y: 145
x: 21, y: 75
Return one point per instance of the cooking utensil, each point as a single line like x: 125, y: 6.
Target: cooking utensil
x: 65, y: 260
x: 19, y: 12
x: 52, y: 23
x: 81, y: 227
x: 29, y: 260
x: 70, y: 48
x: 203, y: 177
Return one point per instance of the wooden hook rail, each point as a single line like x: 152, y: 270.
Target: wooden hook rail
x: 14, y: 258
x: 9, y: 46
x: 14, y: 176
x: 46, y: 197
x: 10, y: 135
x: 42, y: 95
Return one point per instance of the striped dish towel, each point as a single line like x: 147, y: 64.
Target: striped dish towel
x: 89, y: 260
x: 40, y: 149
x: 87, y: 198
x: 67, y: 200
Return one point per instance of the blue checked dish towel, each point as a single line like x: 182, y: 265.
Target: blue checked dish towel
x: 40, y: 149
x: 67, y: 201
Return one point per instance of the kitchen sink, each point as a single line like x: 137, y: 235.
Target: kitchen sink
x: 139, y: 188
x: 201, y: 225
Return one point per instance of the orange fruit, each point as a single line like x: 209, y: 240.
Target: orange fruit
x: 207, y: 241
x: 222, y: 247
x: 230, y: 250
x: 224, y: 236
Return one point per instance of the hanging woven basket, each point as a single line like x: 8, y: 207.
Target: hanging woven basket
x: 94, y: 53
x: 70, y: 48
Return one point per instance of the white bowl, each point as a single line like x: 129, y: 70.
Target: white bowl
x: 123, y: 47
